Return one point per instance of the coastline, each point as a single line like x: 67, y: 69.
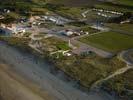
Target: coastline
x: 70, y: 84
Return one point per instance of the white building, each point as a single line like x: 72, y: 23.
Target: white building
x: 67, y: 32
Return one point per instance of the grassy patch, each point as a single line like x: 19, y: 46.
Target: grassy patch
x: 55, y: 44
x: 71, y: 12
x: 124, y: 2
x: 115, y: 7
x: 63, y: 46
x: 127, y: 28
x: 110, y: 41
x: 89, y: 29
x: 18, y: 42
x: 88, y: 69
x: 121, y: 84
x: 74, y: 2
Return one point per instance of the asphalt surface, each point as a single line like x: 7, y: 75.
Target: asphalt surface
x: 126, y: 56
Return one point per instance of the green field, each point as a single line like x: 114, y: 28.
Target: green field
x: 124, y: 2
x: 74, y: 2
x: 127, y: 28
x: 110, y: 41
x: 71, y: 12
x: 115, y: 7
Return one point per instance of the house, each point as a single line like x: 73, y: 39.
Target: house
x: 67, y: 32
x: 2, y: 17
x: 56, y: 19
x: 11, y: 29
x: 5, y: 31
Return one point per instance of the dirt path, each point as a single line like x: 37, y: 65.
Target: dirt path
x: 125, y: 56
x: 118, y: 72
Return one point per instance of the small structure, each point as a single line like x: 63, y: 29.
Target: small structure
x: 68, y: 32
x: 125, y: 21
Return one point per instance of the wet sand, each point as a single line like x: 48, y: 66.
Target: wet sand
x: 13, y: 89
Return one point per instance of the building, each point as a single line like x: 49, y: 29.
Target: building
x: 5, y: 31
x: 11, y: 29
x: 67, y: 32
x: 56, y: 19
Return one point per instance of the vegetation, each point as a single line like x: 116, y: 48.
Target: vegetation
x: 71, y: 12
x: 124, y: 2
x: 126, y: 28
x: 74, y: 3
x: 87, y: 70
x: 77, y: 23
x: 55, y: 44
x: 115, y: 7
x: 110, y: 41
x: 18, y: 42
x: 89, y: 29
x: 122, y: 84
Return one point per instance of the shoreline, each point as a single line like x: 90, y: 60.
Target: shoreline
x: 69, y: 83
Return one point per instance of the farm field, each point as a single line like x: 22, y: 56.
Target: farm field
x: 110, y: 41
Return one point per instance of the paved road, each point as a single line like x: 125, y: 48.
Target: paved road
x: 38, y: 72
x: 126, y: 56
x: 85, y: 47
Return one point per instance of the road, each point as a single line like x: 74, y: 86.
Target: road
x: 38, y: 72
x: 126, y: 56
x: 83, y: 47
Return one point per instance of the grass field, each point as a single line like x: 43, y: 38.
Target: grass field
x: 71, y: 12
x: 110, y: 41
x: 73, y: 2
x: 127, y: 28
x: 124, y: 2
x: 115, y: 7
